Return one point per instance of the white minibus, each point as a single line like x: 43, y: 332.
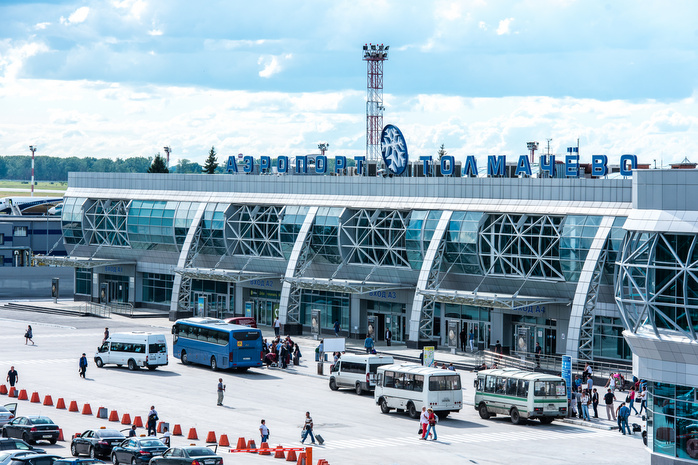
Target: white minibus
x: 520, y: 394
x: 357, y: 372
x: 410, y: 387
x: 135, y: 349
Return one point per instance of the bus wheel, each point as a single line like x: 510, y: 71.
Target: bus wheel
x: 384, y: 406
x: 546, y: 420
x: 484, y: 414
x: 214, y: 363
x: 99, y: 362
x: 412, y: 410
x: 515, y: 416
x: 185, y: 358
x: 132, y: 364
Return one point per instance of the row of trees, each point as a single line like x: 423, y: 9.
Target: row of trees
x: 56, y: 169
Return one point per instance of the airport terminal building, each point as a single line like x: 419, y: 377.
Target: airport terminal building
x: 568, y: 263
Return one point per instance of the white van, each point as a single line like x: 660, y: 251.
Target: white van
x: 135, y: 349
x: 357, y: 372
x: 410, y: 387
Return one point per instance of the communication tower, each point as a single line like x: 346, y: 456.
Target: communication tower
x: 374, y: 56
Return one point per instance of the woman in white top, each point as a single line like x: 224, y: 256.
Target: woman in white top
x: 424, y: 423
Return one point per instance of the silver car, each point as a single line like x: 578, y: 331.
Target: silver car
x: 7, y: 455
x: 7, y: 413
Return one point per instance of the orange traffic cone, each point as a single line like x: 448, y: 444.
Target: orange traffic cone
x: 264, y: 449
x: 211, y: 437
x: 48, y: 401
x: 252, y: 446
x: 60, y: 435
x: 279, y: 452
x: 22, y: 395
x: 301, y: 459
x: 113, y: 415
x: 3, y: 389
x: 126, y: 419
x: 192, y: 434
x: 291, y: 457
x: 223, y: 441
x: 176, y: 431
x: 160, y: 426
x: 35, y: 398
x: 241, y: 444
x: 102, y: 412
x: 86, y: 409
x: 73, y: 406
x: 138, y: 422
x: 60, y: 403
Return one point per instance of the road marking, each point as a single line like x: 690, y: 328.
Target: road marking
x: 465, y: 438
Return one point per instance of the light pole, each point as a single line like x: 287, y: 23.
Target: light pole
x: 167, y: 150
x: 33, y: 149
x: 323, y: 147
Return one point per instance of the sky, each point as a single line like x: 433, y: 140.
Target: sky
x: 124, y: 78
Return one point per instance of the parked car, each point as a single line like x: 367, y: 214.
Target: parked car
x: 7, y: 413
x: 7, y: 455
x: 18, y: 444
x: 78, y: 462
x: 31, y: 428
x: 242, y: 321
x: 188, y: 455
x: 137, y: 451
x: 35, y: 459
x: 96, y: 442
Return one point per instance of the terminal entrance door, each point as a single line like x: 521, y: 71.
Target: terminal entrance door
x: 481, y: 331
x: 117, y: 288
x: 264, y: 311
x: 526, y: 337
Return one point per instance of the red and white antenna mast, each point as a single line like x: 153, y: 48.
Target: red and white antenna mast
x: 374, y: 56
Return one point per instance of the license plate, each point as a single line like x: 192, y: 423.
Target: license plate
x: 48, y: 435
x: 551, y: 406
x: 245, y: 358
x: 210, y: 462
x: 445, y: 400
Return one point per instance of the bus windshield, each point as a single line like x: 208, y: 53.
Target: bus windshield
x: 549, y: 389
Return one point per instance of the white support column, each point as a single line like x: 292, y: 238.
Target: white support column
x: 424, y: 274
x: 293, y: 262
x: 184, y: 255
x: 583, y: 286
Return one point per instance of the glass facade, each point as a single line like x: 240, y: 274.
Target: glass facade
x: 157, y: 288
x: 333, y: 306
x: 290, y: 227
x: 577, y: 235
x: 461, y: 245
x: 672, y: 423
x: 213, y: 229
x: 613, y: 247
x: 184, y: 216
x: 608, y: 339
x: 151, y: 225
x: 420, y: 230
x: 254, y: 230
x: 83, y: 281
x: 71, y: 219
x: 105, y: 222
x: 325, y: 237
x: 375, y: 237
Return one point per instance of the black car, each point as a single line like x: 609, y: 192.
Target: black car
x: 18, y: 444
x: 96, y: 442
x: 188, y: 455
x: 78, y: 462
x: 31, y: 428
x: 39, y: 459
x: 137, y: 451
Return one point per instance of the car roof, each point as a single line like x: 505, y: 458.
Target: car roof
x: 36, y: 456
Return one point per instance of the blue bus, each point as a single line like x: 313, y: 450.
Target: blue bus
x: 213, y: 342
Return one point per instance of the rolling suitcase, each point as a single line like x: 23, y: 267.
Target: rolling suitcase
x: 319, y: 439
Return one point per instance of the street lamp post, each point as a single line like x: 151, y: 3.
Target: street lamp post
x: 33, y: 149
x: 167, y: 150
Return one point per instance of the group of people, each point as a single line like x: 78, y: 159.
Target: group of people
x: 427, y: 424
x: 467, y: 338
x: 281, y: 352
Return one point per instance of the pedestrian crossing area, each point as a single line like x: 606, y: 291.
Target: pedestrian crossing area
x: 504, y: 437
x: 38, y: 361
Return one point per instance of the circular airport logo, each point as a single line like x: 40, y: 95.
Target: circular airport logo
x: 394, y: 149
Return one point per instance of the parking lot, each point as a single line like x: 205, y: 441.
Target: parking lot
x: 353, y: 426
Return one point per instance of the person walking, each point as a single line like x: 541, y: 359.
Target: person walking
x: 106, y: 335
x: 623, y: 415
x: 463, y: 338
x: 28, y: 335
x: 308, y: 429
x: 336, y: 328
x: 538, y: 350
x: 388, y: 337
x: 631, y: 400
x: 585, y: 405
x: 152, y: 421
x: 277, y: 327
x: 432, y: 424
x: 264, y: 432
x: 424, y: 423
x: 608, y: 399
x: 643, y: 399
x: 611, y: 383
x: 368, y: 344
x: 221, y: 391
x: 471, y: 340
x: 595, y: 402
x: 83, y: 365
x: 12, y: 376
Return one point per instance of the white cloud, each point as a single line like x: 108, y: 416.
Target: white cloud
x: 77, y: 17
x: 272, y: 64
x: 41, y: 26
x: 155, y: 32
x: 482, y: 25
x: 135, y: 8
x: 13, y: 56
x: 504, y: 25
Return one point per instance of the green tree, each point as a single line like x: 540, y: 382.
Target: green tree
x: 442, y: 151
x: 211, y: 162
x: 159, y: 165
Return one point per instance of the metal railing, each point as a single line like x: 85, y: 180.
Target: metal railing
x: 121, y: 308
x: 105, y: 310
